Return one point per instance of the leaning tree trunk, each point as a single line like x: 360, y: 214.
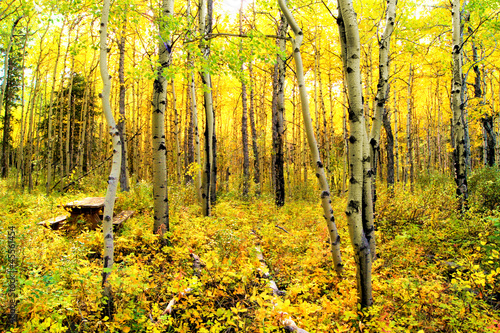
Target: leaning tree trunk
x: 360, y: 237
x: 109, y: 202
x: 459, y: 151
x: 160, y: 194
x: 311, y: 139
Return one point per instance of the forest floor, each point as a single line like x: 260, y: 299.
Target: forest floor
x: 435, y: 272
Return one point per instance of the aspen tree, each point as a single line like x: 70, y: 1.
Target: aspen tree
x: 109, y: 202
x: 350, y: 50
x: 313, y: 146
x: 20, y: 150
x: 160, y: 194
x: 124, y: 182
x: 244, y: 115
x: 386, y: 120
x: 255, y: 147
x: 205, y: 31
x: 6, y: 127
x: 50, y: 140
x: 457, y: 104
x: 278, y: 109
x: 382, y: 86
x: 176, y: 134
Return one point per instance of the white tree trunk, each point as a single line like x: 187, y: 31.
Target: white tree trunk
x: 311, y: 139
x: 350, y: 50
x: 160, y: 193
x: 459, y: 152
x: 109, y: 202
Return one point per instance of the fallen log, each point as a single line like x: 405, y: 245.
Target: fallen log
x: 285, y: 319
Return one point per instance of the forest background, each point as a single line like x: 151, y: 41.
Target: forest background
x: 437, y: 266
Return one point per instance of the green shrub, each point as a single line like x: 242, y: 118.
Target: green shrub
x: 484, y: 185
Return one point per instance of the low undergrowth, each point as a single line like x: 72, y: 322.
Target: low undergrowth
x: 436, y: 271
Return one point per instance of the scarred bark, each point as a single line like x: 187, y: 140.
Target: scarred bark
x: 460, y: 150
x: 350, y: 50
x: 160, y: 194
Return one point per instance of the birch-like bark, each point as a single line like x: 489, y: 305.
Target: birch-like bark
x: 409, y: 141
x: 244, y: 115
x: 205, y: 30
x: 160, y: 194
x: 313, y: 146
x: 382, y: 92
x: 124, y: 183
x: 255, y: 147
x: 109, y: 202
x: 50, y: 139
x: 176, y: 134
x: 390, y: 148
x: 6, y: 127
x: 197, y: 152
x: 457, y: 103
x: 20, y: 148
x: 70, y: 120
x: 396, y: 141
x: 350, y: 50
x: 278, y: 109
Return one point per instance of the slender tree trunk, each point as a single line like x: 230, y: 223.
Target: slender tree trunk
x: 124, y: 181
x: 382, y: 90
x: 6, y: 126
x: 460, y: 151
x: 177, y: 132
x: 278, y: 106
x: 194, y: 125
x: 20, y: 150
x: 50, y: 140
x: 360, y: 238
x: 205, y: 31
x: 69, y: 121
x: 389, y: 147
x: 115, y: 168
x: 313, y: 146
x: 244, y: 116
x: 409, y: 141
x: 345, y: 137
x: 255, y: 147
x: 396, y: 131
x: 160, y: 194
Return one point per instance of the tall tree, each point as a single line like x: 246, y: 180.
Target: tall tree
x: 244, y: 114
x: 278, y: 110
x: 109, y: 202
x: 359, y: 232
x: 5, y: 102
x: 255, y: 147
x: 382, y: 87
x: 160, y: 194
x: 457, y: 104
x: 205, y: 17
x: 124, y: 182
x: 311, y: 139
